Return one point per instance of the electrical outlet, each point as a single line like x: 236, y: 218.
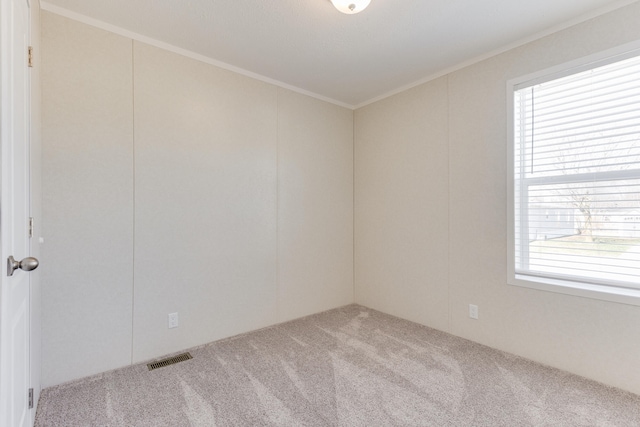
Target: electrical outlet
x: 473, y: 311
x: 173, y: 320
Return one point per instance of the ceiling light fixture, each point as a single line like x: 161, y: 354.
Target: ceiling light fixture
x: 351, y: 6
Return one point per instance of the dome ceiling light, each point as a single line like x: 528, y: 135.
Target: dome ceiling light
x: 351, y: 6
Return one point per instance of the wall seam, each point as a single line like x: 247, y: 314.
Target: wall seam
x: 133, y: 161
x: 277, y: 308
x: 353, y: 202
x: 448, y: 205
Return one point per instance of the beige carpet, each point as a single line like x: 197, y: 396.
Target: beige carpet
x: 347, y: 367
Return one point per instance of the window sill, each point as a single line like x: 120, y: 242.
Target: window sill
x: 585, y: 290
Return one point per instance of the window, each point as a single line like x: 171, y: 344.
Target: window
x: 575, y: 182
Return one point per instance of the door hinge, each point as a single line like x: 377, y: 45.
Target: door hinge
x: 30, y: 398
x: 30, y: 227
x: 30, y: 51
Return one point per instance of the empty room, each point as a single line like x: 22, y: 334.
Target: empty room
x: 320, y: 213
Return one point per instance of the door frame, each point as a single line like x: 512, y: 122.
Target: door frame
x: 33, y: 129
x: 35, y: 206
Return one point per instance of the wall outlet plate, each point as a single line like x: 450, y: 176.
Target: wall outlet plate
x: 473, y: 311
x: 173, y: 320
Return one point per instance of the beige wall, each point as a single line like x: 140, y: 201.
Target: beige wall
x: 175, y: 186
x: 87, y: 173
x: 401, y: 176
x: 451, y: 154
x: 205, y: 202
x: 171, y: 185
x: 315, y: 205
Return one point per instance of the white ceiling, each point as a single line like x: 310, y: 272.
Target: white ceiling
x: 350, y: 59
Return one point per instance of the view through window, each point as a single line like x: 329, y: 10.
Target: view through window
x: 577, y: 175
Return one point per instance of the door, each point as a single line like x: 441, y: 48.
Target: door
x: 14, y: 213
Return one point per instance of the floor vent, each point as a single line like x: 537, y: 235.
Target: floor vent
x: 169, y: 361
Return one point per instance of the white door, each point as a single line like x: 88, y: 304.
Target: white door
x: 14, y: 213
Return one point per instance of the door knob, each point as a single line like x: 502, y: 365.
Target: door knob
x: 27, y: 264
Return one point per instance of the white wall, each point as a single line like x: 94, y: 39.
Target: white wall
x: 443, y: 144
x: 172, y: 185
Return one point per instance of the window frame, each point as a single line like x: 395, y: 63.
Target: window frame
x: 579, y: 288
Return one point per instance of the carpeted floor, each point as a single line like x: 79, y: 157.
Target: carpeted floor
x: 347, y: 367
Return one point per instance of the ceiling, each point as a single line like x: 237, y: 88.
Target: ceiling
x: 350, y: 59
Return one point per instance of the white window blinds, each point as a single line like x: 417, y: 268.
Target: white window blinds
x: 577, y: 176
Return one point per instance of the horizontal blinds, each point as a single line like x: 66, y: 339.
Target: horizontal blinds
x: 577, y: 176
